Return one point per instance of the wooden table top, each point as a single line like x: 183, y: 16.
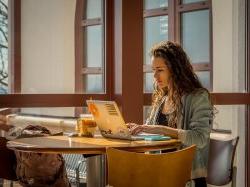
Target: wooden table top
x: 84, y: 145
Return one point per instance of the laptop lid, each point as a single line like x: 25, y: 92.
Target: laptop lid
x: 108, y: 118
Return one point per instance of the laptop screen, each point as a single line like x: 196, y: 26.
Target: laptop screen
x: 108, y: 117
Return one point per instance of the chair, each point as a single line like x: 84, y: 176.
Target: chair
x: 149, y: 170
x: 75, y: 166
x: 220, y: 163
x: 7, y: 162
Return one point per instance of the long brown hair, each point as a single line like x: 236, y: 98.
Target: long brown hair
x: 183, y: 79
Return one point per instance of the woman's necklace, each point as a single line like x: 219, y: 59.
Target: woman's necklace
x: 168, y: 107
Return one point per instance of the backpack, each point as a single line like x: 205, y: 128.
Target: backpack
x: 39, y: 169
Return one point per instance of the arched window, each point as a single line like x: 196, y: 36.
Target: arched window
x: 187, y: 22
x: 92, y: 48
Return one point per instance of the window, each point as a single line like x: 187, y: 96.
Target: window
x: 91, y: 64
x: 10, y: 69
x: 195, y: 37
x: 4, y: 73
x: 186, y: 22
x: 155, y: 30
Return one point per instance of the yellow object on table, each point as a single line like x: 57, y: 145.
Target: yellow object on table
x: 86, y: 125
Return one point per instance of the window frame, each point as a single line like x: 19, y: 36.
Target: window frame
x: 149, y: 13
x: 14, y: 45
x: 174, y: 10
x: 190, y: 7
x: 107, y: 23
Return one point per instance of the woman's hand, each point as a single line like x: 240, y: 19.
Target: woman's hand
x: 3, y: 119
x: 154, y: 129
x: 131, y: 125
x: 3, y: 123
x: 136, y: 129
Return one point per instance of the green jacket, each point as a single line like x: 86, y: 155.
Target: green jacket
x: 194, y: 126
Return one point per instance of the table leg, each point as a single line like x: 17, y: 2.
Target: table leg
x: 96, y: 170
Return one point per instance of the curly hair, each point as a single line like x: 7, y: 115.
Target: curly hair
x: 183, y: 78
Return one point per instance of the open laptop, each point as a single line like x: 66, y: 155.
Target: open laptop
x: 111, y: 123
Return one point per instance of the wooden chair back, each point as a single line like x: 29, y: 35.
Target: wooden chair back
x: 149, y: 170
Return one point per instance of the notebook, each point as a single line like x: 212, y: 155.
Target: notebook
x: 111, y: 123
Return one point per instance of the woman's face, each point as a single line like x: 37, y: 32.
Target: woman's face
x: 161, y: 72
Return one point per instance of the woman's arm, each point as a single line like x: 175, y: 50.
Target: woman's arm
x: 3, y: 124
x: 199, y: 121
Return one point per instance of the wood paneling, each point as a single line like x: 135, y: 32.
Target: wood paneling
x: 202, y: 66
x: 193, y: 6
x: 92, y: 70
x: 129, y: 58
x: 15, y: 46
x: 172, y: 24
x: 218, y: 98
x: 197, y: 67
x: 78, y: 100
x: 47, y: 100
x: 247, y: 139
x: 109, y: 52
x: 155, y: 12
x: 91, y: 22
x: 78, y: 46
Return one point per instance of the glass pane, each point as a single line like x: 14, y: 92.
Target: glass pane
x: 191, y: 1
x: 146, y: 112
x: 151, y: 4
x: 204, y: 77
x: 93, y: 46
x: 155, y: 30
x: 93, y: 84
x: 195, y: 35
x: 148, y: 82
x: 48, y: 49
x: 4, y: 74
x: 94, y: 9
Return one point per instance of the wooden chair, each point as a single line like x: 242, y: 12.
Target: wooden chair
x: 149, y: 170
x: 220, y: 163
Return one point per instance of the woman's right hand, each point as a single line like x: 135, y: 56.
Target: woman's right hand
x: 131, y: 125
x: 136, y: 129
x: 3, y: 123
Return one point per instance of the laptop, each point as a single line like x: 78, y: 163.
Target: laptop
x: 111, y: 123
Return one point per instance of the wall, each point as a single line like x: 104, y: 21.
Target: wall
x: 229, y: 70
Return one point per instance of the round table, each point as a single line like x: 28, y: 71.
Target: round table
x: 85, y: 145
x: 96, y: 165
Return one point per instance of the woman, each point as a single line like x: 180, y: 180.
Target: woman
x: 181, y: 105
